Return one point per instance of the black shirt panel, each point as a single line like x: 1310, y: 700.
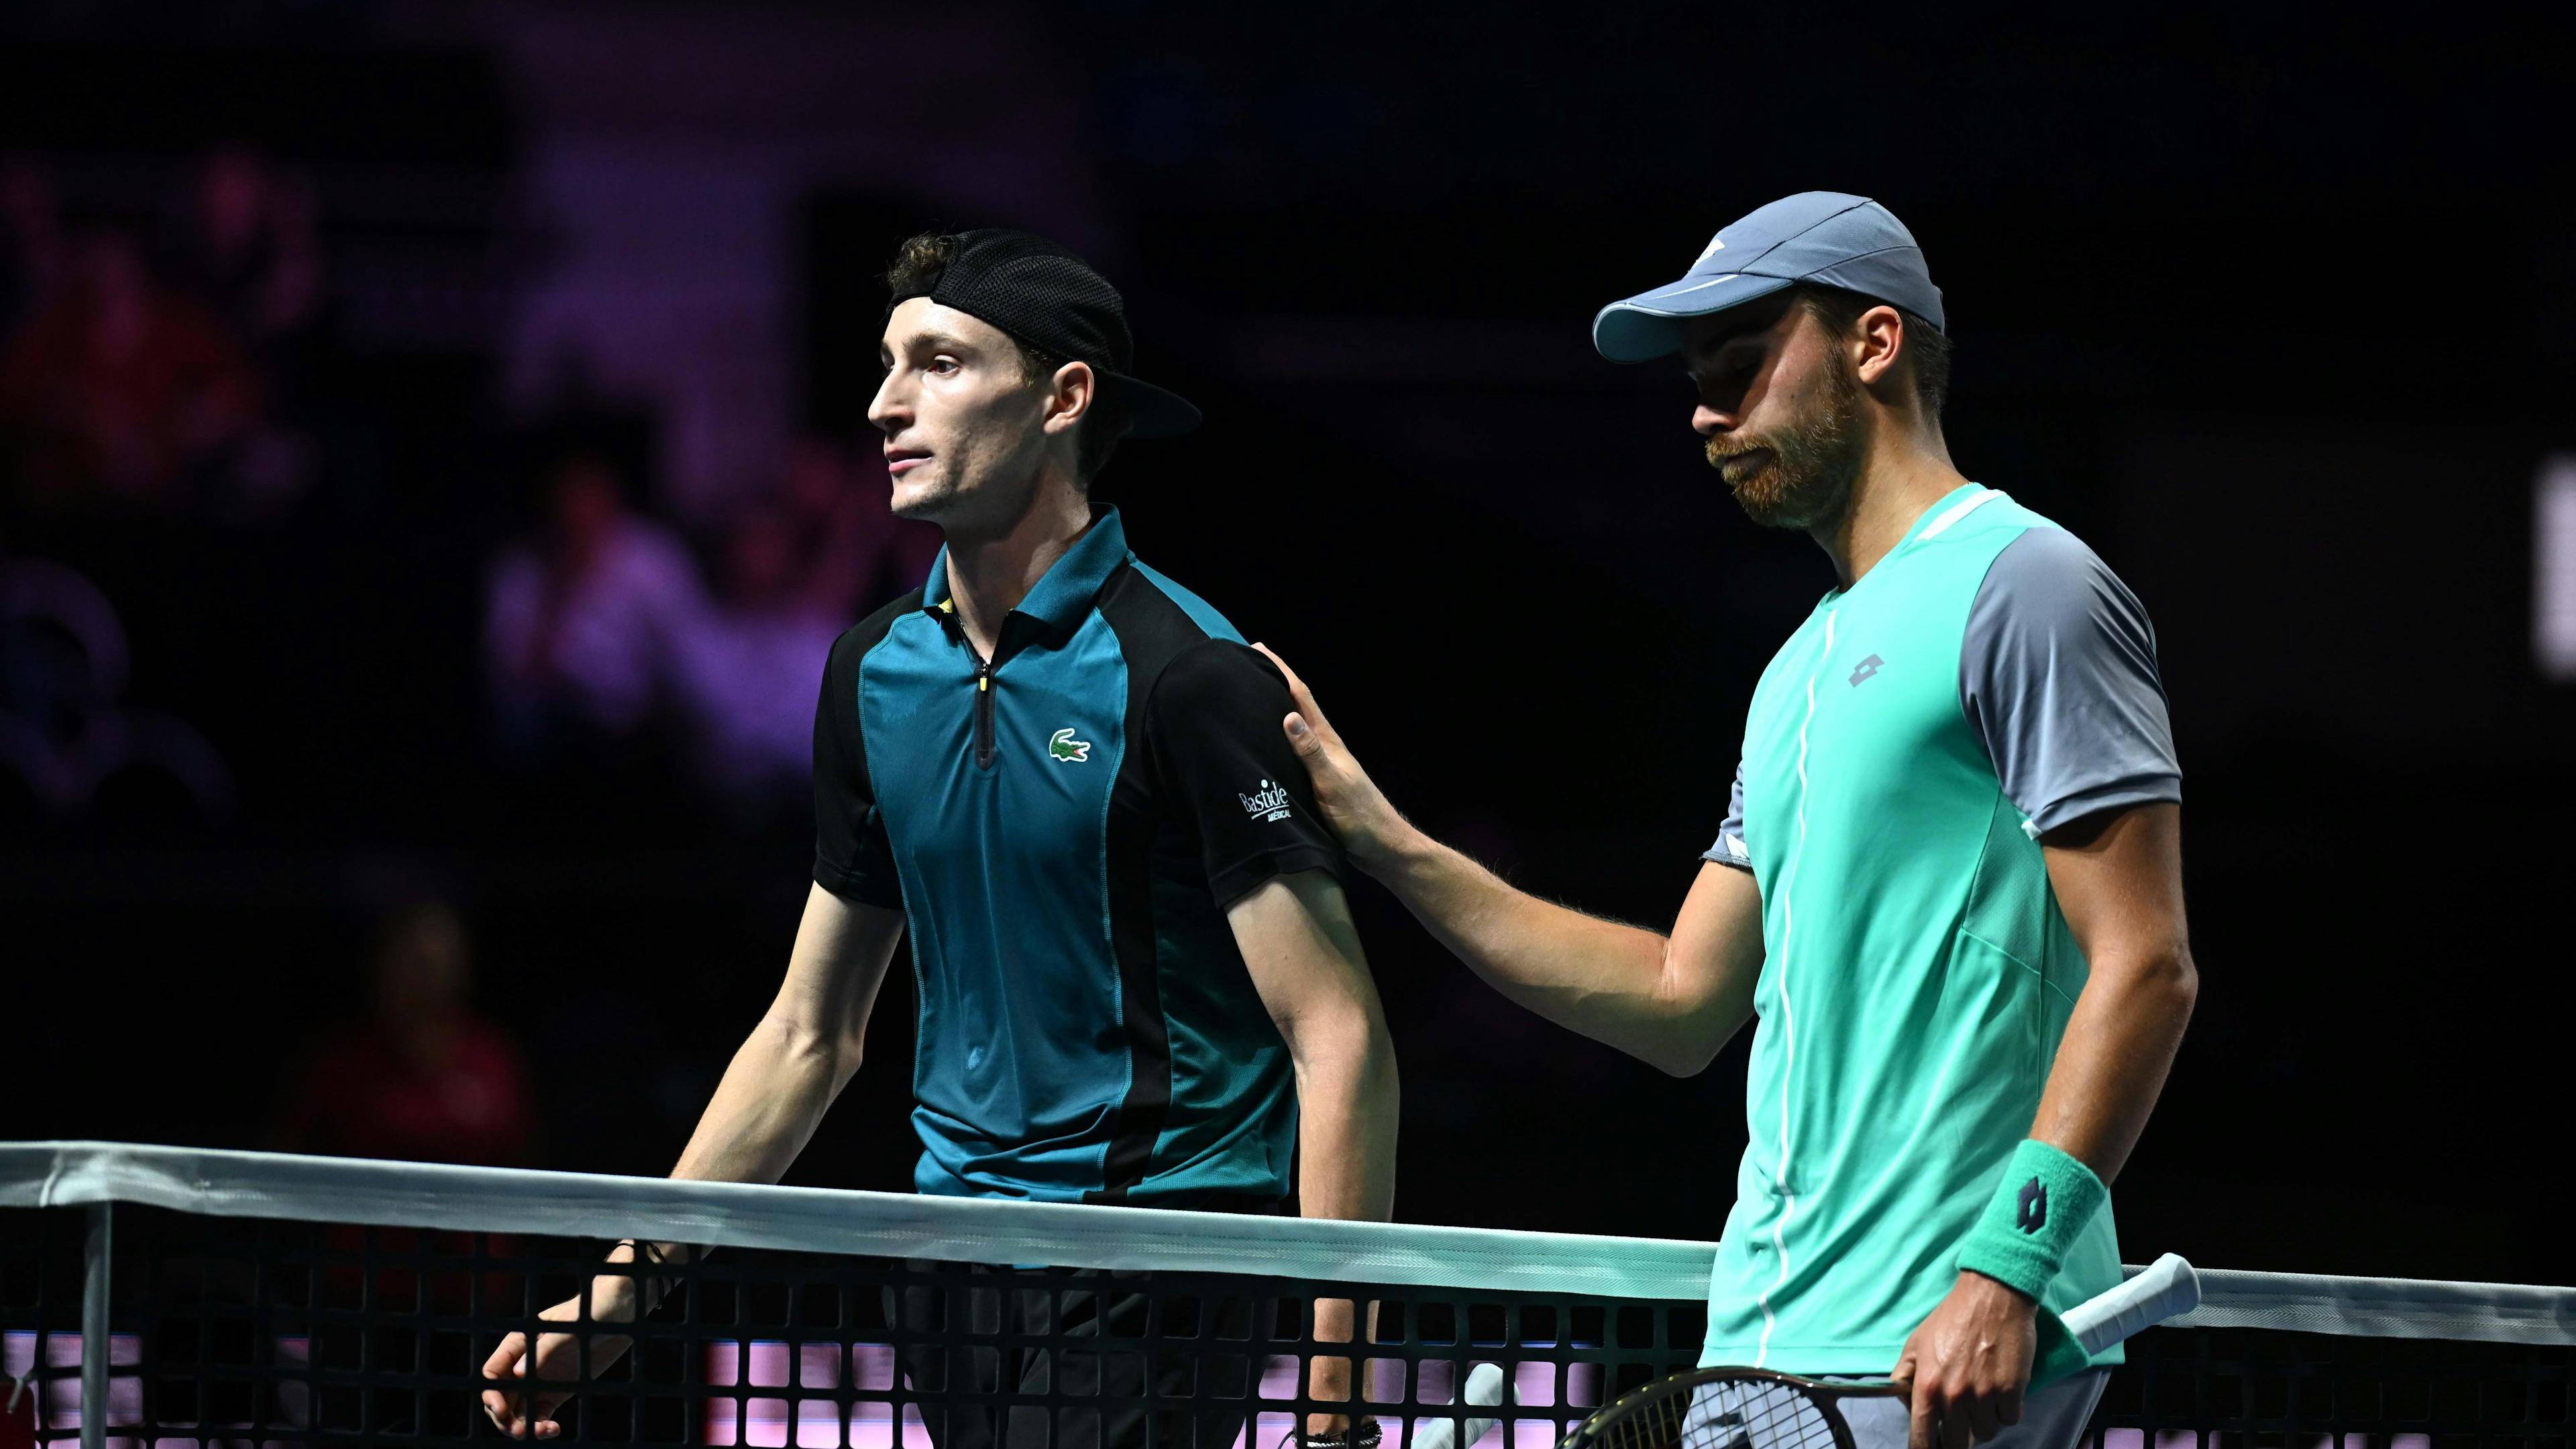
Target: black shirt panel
x: 1227, y: 771
x: 852, y: 857
x: 1203, y: 718
x: 1150, y: 629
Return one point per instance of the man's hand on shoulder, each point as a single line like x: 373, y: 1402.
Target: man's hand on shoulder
x: 1367, y: 823
x: 1964, y: 1371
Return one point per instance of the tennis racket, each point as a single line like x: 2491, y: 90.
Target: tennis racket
x: 1745, y: 1408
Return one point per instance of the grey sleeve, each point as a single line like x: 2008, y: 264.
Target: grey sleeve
x: 2057, y: 677
x: 1729, y: 849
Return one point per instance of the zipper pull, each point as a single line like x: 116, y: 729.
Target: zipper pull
x: 984, y: 743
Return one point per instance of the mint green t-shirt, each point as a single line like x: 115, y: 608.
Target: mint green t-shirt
x: 1989, y: 679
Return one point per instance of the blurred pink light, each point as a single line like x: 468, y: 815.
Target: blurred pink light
x: 763, y: 1421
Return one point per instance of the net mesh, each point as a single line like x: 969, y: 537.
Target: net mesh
x: 277, y: 1331
x: 246, y: 1316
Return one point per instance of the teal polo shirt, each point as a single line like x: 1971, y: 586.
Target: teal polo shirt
x: 1063, y: 826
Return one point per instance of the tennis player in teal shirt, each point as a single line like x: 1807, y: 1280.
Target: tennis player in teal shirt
x: 1947, y: 889
x: 1061, y: 773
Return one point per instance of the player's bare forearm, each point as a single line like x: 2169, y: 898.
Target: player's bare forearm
x: 802, y: 1052
x: 1347, y: 1095
x: 2119, y: 882
x: 1305, y: 960
x: 2118, y: 879
x: 804, y: 1049
x: 1347, y: 1099
x: 772, y: 1097
x: 2111, y: 1065
x: 765, y: 1109
x: 782, y: 1078
x: 1670, y: 1001
x: 767, y: 1106
x: 1304, y: 956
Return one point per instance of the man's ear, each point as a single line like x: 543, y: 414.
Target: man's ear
x: 1878, y: 342
x: 1070, y: 394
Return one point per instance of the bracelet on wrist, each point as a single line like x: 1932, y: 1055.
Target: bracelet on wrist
x: 651, y: 1285
x: 1362, y: 1434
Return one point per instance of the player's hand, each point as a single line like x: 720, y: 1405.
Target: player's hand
x: 522, y: 1414
x: 1351, y: 803
x: 1964, y: 1371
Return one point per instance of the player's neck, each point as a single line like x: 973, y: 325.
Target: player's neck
x: 1903, y: 473
x: 990, y: 572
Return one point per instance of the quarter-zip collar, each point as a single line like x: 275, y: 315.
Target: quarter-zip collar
x: 1064, y: 596
x: 1065, y: 593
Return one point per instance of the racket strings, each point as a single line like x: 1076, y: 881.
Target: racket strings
x: 1755, y: 1414
x: 1716, y: 1413
x: 1656, y: 1424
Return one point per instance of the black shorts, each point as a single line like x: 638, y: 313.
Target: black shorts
x: 1203, y: 1348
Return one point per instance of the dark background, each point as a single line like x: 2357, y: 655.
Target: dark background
x: 2271, y: 307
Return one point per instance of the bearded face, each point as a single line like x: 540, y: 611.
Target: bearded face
x: 1799, y: 475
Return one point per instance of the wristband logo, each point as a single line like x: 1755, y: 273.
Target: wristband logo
x: 2032, y: 1213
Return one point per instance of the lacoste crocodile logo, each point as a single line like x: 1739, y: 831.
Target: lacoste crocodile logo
x: 1064, y: 749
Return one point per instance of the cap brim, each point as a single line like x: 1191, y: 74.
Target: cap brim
x: 1153, y: 412
x: 1650, y: 324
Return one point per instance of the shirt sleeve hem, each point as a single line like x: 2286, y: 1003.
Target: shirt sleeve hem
x: 1720, y: 857
x: 2118, y: 794
x: 1239, y: 879
x: 852, y: 885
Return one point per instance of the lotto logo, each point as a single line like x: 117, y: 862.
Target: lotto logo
x: 2032, y: 1214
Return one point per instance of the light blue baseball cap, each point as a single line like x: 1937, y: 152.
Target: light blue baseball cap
x: 1828, y: 238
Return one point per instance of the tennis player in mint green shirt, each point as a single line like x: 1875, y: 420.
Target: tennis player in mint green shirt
x: 1947, y: 889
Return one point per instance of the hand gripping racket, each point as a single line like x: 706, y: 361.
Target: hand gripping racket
x: 1743, y: 1408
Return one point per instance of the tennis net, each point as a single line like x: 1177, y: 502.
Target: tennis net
x: 173, y: 1297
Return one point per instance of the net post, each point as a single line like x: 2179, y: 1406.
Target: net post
x: 94, y: 1337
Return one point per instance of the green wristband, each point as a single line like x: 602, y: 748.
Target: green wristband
x: 2045, y: 1199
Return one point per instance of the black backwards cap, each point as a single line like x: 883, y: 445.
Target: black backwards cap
x: 1052, y: 300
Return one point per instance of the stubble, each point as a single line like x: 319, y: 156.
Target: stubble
x: 1808, y: 478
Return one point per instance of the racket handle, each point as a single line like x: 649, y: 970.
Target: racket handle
x: 2168, y: 1287
x: 1484, y: 1389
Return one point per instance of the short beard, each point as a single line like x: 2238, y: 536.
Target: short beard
x: 1813, y: 466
